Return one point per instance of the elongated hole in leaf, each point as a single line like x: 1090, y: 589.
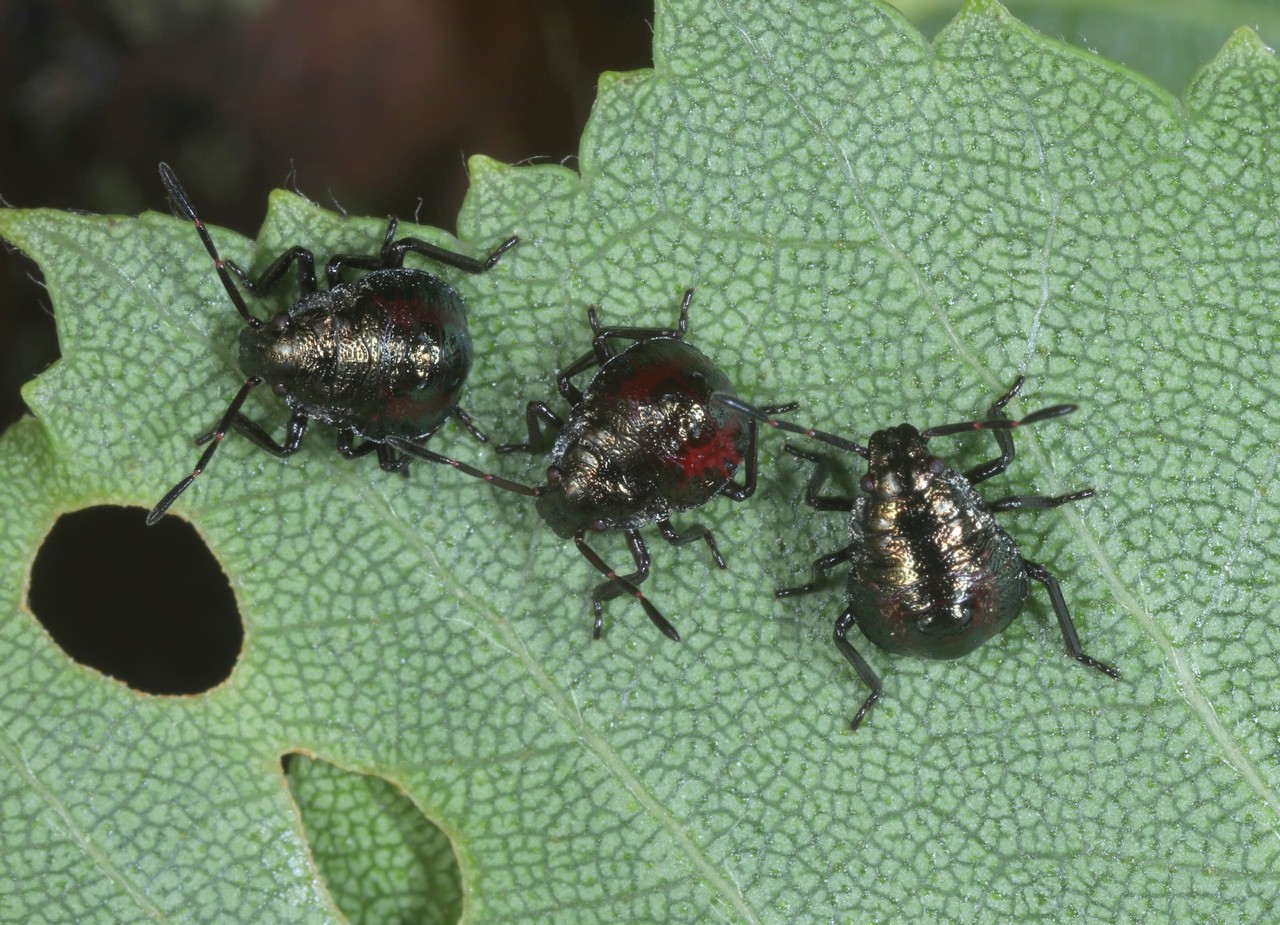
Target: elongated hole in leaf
x: 382, y: 860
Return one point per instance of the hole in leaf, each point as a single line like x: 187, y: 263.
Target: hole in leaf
x: 383, y: 861
x: 147, y: 605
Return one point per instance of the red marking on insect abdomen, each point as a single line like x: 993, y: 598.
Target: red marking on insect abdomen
x: 713, y: 459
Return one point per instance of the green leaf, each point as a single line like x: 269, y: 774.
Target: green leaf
x: 882, y: 228
x: 1166, y: 41
x: 384, y: 863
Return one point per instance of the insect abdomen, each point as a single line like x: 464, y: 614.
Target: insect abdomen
x: 934, y: 575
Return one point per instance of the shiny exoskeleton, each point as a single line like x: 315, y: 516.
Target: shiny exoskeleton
x: 642, y: 441
x: 931, y: 573
x: 383, y: 356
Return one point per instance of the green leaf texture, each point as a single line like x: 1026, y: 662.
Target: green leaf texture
x: 1166, y: 41
x: 880, y: 227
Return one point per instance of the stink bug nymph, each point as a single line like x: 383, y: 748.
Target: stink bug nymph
x: 931, y: 572
x: 380, y: 357
x: 642, y: 441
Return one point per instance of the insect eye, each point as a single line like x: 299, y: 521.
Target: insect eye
x: 868, y: 484
x: 935, y: 465
x: 554, y: 475
x: 280, y: 321
x: 280, y: 389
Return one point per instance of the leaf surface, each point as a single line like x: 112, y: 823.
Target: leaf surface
x: 882, y: 228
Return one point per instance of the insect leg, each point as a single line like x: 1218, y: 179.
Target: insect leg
x: 1042, y: 575
x: 272, y: 275
x: 625, y: 586
x: 393, y: 252
x: 572, y: 394
x: 251, y: 430
x: 383, y: 260
x: 691, y: 533
x: 1004, y: 439
x: 447, y: 257
x: 538, y: 441
x: 821, y: 472
x: 868, y: 676
x: 215, y: 439
x: 391, y: 461
x: 466, y: 421
x: 820, y: 565
x: 388, y: 459
x: 608, y: 590
x: 742, y: 492
x: 601, y: 338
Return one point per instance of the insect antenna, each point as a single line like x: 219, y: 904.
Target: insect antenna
x: 763, y: 416
x: 963, y: 427
x: 182, y: 205
x: 413, y: 449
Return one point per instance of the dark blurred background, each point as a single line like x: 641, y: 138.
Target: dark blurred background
x: 371, y: 105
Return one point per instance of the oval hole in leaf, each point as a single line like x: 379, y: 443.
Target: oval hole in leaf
x: 147, y: 605
x: 383, y: 861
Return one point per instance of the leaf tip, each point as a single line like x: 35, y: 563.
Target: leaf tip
x: 284, y: 198
x: 993, y: 9
x: 1247, y: 44
x: 1243, y: 54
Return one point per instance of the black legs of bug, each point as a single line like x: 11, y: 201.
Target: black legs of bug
x: 820, y: 567
x: 541, y: 435
x: 388, y: 459
x: 232, y: 419
x: 272, y: 275
x: 1041, y: 574
x: 393, y: 253
x: 1034, y: 570
x: 819, y: 502
x: 620, y: 584
x: 617, y: 585
x: 741, y: 492
x: 818, y: 478
x: 691, y: 534
x: 215, y: 438
x: 602, y: 351
x: 814, y: 498
x: 841, y: 638
x: 253, y: 431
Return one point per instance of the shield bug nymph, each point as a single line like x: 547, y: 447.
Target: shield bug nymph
x: 931, y: 572
x: 379, y: 357
x: 644, y: 440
